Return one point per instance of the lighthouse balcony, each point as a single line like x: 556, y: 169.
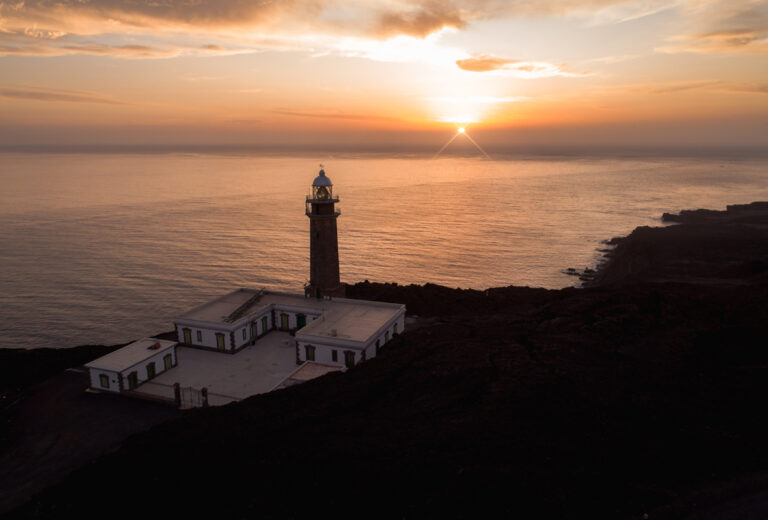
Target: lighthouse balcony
x: 309, y: 213
x: 314, y: 200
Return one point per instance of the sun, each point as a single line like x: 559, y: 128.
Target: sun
x: 461, y: 130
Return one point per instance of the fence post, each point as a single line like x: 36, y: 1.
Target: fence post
x: 204, y: 395
x: 177, y: 394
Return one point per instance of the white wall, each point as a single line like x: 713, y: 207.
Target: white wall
x: 208, y: 335
x: 114, y: 384
x: 141, y: 368
x: 292, y: 321
x: 370, y: 347
x: 324, y: 353
x: 258, y: 318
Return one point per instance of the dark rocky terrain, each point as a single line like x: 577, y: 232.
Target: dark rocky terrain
x: 641, y: 394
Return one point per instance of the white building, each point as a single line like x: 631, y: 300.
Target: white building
x: 335, y: 331
x: 132, y: 365
x: 329, y: 333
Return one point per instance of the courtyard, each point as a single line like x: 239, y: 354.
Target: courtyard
x: 255, y: 369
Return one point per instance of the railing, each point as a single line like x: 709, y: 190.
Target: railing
x: 333, y: 199
x: 336, y: 213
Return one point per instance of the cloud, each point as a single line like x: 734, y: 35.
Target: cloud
x: 736, y: 26
x: 47, y: 94
x: 167, y: 28
x: 330, y: 115
x: 267, y: 24
x: 476, y: 100
x: 63, y: 44
x: 515, y: 68
x: 750, y: 88
x: 673, y: 87
x: 422, y: 21
x: 146, y: 13
x: 748, y: 41
x: 483, y: 63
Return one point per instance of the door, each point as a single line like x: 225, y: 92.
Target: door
x: 133, y: 380
x: 254, y: 330
x: 284, y: 321
x: 150, y: 370
x: 310, y: 352
x: 264, y: 324
x: 168, y: 361
x: 349, y: 358
x: 220, y: 341
x: 301, y: 321
x: 187, y: 336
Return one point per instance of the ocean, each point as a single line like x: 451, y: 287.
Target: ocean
x: 106, y: 248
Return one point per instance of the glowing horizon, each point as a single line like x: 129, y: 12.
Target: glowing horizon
x: 116, y: 71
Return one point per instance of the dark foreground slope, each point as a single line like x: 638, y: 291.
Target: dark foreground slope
x: 610, y: 401
x: 50, y: 426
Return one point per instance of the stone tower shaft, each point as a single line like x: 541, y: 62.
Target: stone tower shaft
x: 324, y: 278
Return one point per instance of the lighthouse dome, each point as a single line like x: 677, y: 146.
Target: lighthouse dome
x: 322, y: 180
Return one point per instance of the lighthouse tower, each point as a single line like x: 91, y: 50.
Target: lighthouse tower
x: 324, y: 277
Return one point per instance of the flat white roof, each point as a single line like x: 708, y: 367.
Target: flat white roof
x: 220, y: 310
x: 342, y: 318
x: 131, y: 354
x: 352, y: 320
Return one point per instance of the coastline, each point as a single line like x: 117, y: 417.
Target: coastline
x: 705, y: 246
x: 647, y: 368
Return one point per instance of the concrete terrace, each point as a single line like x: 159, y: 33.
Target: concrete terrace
x: 256, y: 369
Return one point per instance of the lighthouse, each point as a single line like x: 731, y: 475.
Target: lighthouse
x: 321, y: 209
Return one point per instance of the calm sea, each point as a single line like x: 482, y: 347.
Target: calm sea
x: 100, y: 248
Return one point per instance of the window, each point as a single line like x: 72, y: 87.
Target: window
x: 394, y: 328
x: 334, y: 355
x: 264, y: 324
x: 310, y: 351
x: 150, y: 370
x: 199, y: 336
x: 254, y: 330
x: 349, y: 358
x: 243, y: 333
x: 168, y: 361
x: 301, y: 321
x: 133, y: 380
x: 220, y: 341
x: 104, y: 380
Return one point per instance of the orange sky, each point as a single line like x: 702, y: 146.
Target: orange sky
x: 390, y: 72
